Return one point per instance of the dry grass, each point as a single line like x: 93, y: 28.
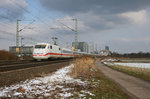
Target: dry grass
x: 107, y: 89
x: 41, y: 74
x: 5, y: 55
x: 143, y: 73
x: 97, y: 84
x: 101, y: 86
x: 84, y: 67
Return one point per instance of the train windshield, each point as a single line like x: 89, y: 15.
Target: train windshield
x: 40, y: 46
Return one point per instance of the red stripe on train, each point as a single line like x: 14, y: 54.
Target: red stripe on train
x: 55, y: 54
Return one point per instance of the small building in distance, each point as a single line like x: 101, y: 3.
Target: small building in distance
x: 105, y: 52
x: 80, y: 46
x: 107, y: 48
x: 24, y: 50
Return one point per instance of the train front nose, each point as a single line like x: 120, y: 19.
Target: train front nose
x: 39, y: 56
x: 40, y: 51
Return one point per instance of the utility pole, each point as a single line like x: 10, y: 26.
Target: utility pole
x: 19, y: 30
x: 22, y: 47
x: 17, y: 38
x: 76, y: 34
x: 17, y: 34
x: 75, y: 30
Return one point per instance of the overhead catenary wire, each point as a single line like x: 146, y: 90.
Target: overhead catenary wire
x: 11, y: 34
x: 10, y: 26
x: 47, y: 25
x: 26, y: 26
x: 41, y: 20
x: 7, y: 33
x: 7, y: 39
x: 56, y: 33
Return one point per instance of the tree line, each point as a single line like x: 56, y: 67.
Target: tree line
x: 132, y: 55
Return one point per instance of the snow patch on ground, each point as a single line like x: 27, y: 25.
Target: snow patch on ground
x: 56, y: 85
x: 139, y: 65
x: 109, y: 60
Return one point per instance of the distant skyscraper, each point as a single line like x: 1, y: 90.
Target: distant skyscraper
x: 107, y: 48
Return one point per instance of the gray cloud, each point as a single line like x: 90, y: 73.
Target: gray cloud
x: 98, y: 14
x: 96, y: 6
x: 12, y: 9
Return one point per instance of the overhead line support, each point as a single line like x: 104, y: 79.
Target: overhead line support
x: 17, y: 34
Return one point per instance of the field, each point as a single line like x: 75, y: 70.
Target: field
x: 136, y: 60
x: 136, y: 67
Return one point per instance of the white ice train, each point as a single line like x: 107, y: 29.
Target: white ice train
x: 44, y: 51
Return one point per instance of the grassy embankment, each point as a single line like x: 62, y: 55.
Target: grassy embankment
x: 142, y: 73
x: 104, y: 88
x: 135, y: 60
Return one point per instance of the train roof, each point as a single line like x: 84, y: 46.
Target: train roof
x: 66, y: 49
x: 46, y: 44
x: 54, y: 45
x: 42, y: 43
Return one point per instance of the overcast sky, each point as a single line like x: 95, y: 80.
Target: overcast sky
x: 123, y: 25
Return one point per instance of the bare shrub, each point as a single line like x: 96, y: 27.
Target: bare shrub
x: 84, y: 67
x: 5, y: 55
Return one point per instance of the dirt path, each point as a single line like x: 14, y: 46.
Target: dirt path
x: 134, y: 86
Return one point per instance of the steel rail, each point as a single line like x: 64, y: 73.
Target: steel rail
x: 29, y: 65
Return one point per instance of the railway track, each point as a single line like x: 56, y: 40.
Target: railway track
x: 27, y: 64
x: 14, y: 62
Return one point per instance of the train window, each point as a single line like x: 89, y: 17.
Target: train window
x: 68, y: 52
x: 40, y: 46
x: 51, y: 47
